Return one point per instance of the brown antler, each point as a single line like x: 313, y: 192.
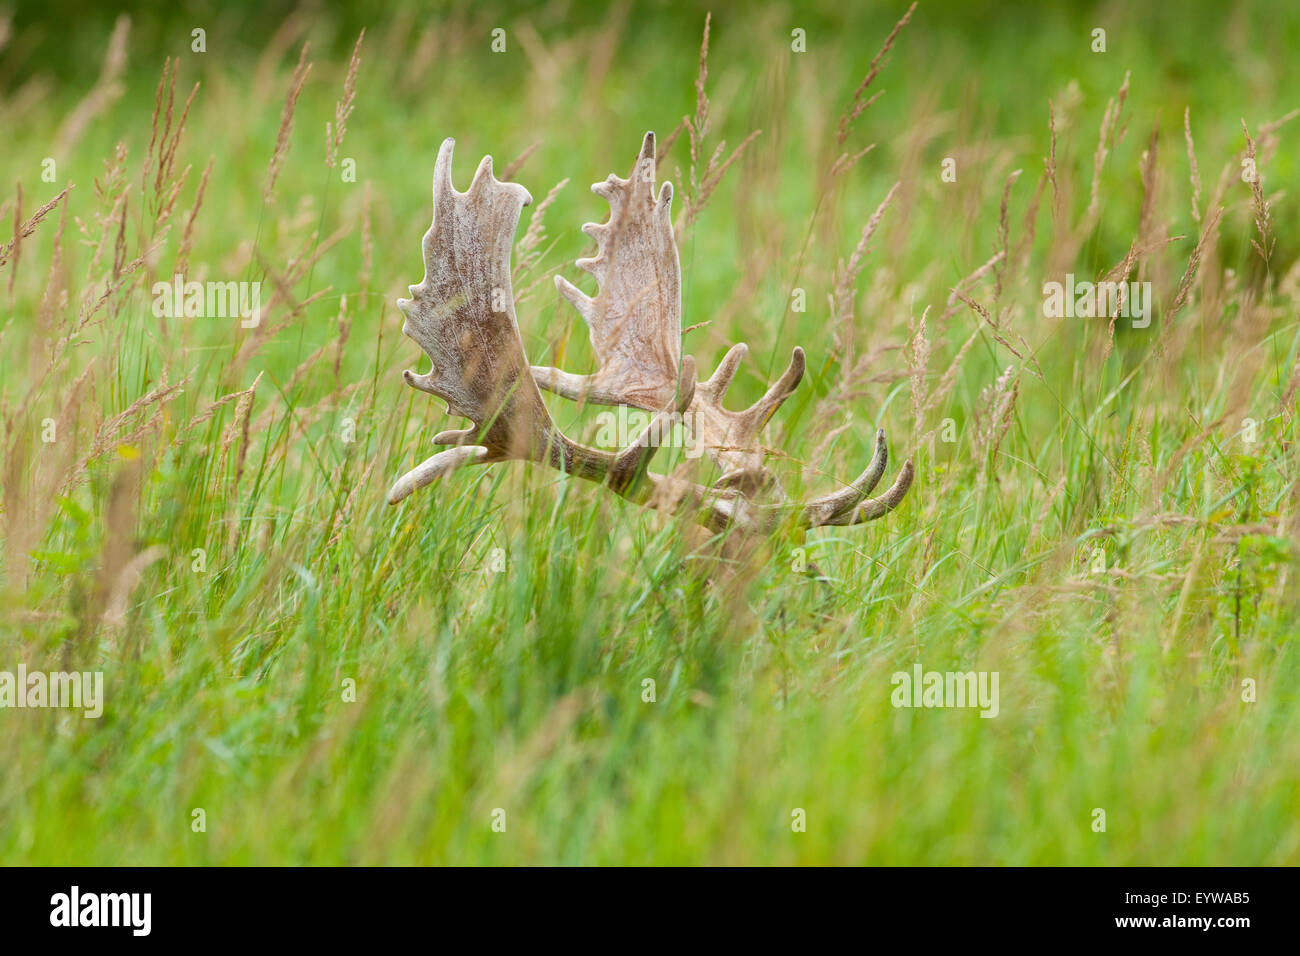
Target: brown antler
x: 635, y: 318
x: 462, y: 315
x: 635, y: 325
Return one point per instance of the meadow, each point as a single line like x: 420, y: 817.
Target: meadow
x: 516, y: 667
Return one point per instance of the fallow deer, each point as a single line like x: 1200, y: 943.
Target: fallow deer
x: 462, y: 314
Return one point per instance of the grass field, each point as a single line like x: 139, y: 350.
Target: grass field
x: 1106, y: 513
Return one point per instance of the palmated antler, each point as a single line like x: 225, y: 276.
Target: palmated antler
x: 635, y: 325
x: 462, y: 315
x: 635, y: 318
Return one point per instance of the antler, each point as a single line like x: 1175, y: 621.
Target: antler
x: 462, y: 314
x: 635, y: 317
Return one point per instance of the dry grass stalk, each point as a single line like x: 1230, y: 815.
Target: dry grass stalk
x: 1263, y: 221
x: 857, y: 106
x: 237, y: 430
x: 114, y: 283
x: 286, y: 122
x: 847, y: 161
x: 667, y: 143
x: 953, y: 305
x: 205, y: 416
x: 1193, y: 263
x: 187, y: 234
x: 994, y: 325
x: 344, y: 320
x: 528, y: 248
x: 160, y: 157
x: 116, y: 431
x: 949, y: 379
x: 343, y: 108
x: 993, y: 417
x: 56, y: 283
x: 17, y: 242
x: 109, y: 190
x: 1004, y: 233
x: 242, y: 408
x: 1146, y: 213
x: 842, y: 310
x: 1109, y: 134
x: 512, y: 168
x: 917, y: 355
x: 24, y: 229
x: 703, y: 183
x: 1036, y: 532
x: 340, y: 519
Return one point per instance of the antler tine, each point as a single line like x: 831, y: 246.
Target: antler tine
x: 874, y: 508
x: 757, y: 415
x: 725, y: 508
x: 434, y: 467
x: 731, y: 438
x: 716, y: 386
x: 823, y: 510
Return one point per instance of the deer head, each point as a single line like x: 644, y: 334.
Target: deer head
x: 462, y: 315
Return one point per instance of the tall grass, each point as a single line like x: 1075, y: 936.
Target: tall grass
x: 1105, y: 515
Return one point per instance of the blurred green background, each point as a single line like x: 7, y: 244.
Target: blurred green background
x: 1121, y: 688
